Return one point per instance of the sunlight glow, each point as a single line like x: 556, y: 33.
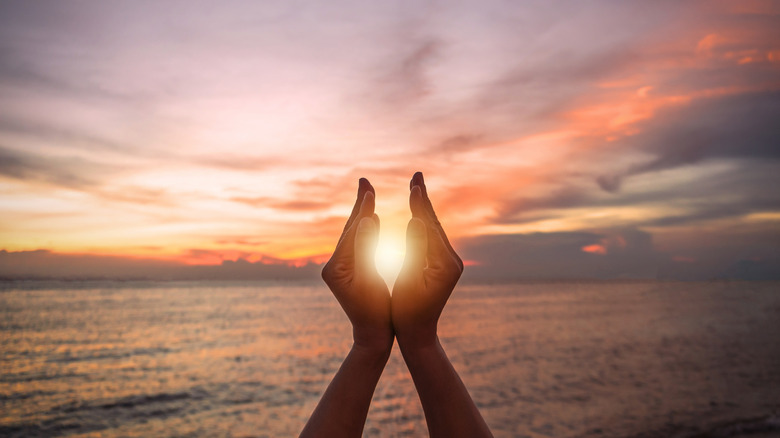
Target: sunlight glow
x: 390, y: 253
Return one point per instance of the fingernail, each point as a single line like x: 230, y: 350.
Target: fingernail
x: 416, y: 179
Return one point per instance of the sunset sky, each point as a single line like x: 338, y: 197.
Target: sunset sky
x: 583, y: 138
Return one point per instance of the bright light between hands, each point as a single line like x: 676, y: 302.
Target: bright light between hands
x: 390, y: 253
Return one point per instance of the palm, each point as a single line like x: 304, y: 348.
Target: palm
x: 353, y: 278
x: 430, y: 272
x: 418, y: 300
x: 363, y: 296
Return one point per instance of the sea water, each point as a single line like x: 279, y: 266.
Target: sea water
x: 545, y: 359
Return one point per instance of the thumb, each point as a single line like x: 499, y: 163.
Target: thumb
x: 416, y: 247
x: 365, y: 245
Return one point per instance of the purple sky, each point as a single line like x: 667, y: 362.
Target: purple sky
x: 580, y: 139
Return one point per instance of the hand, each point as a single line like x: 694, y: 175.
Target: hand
x: 352, y: 276
x: 430, y: 271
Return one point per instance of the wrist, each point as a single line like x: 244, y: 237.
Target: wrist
x: 417, y: 340
x: 372, y: 354
x: 375, y: 341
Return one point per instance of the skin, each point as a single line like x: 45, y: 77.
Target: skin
x: 429, y: 274
x: 352, y: 277
x: 431, y: 270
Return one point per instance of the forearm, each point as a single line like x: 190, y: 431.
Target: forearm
x: 449, y: 409
x: 343, y: 408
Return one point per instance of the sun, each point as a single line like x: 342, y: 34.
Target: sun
x: 390, y: 253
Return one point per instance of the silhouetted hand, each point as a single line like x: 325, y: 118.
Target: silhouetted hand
x: 430, y: 271
x: 352, y: 276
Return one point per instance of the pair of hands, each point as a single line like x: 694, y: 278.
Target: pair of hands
x: 430, y: 271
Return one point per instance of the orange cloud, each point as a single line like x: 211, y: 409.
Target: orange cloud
x: 294, y: 205
x: 595, y: 249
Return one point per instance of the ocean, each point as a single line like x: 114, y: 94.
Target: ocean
x: 541, y: 359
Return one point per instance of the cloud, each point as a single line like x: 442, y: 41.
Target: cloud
x: 240, y: 240
x: 74, y: 139
x: 47, y: 264
x: 404, y: 81
x: 627, y: 253
x: 740, y: 126
x: 722, y: 189
x: 74, y: 173
x: 54, y: 74
x: 341, y: 187
x: 245, y: 163
x: 280, y: 204
x: 62, y: 136
x: 622, y: 253
x: 513, y: 210
x: 538, y: 93
x: 711, y: 211
x: 18, y: 72
x: 66, y: 172
x: 457, y: 143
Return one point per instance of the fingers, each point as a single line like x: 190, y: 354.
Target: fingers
x: 440, y: 255
x: 416, y: 249
x: 366, y: 210
x: 436, y: 246
x: 366, y: 236
x: 363, y: 187
x: 344, y: 253
x: 423, y: 208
